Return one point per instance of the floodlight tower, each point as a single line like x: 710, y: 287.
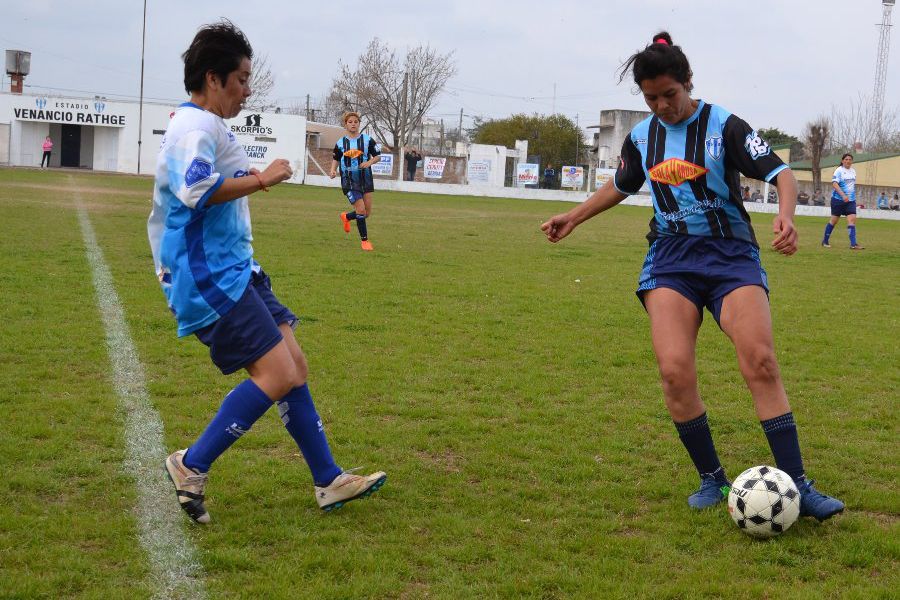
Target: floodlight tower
x: 884, y: 50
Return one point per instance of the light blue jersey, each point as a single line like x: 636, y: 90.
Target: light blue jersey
x: 201, y: 252
x: 846, y: 180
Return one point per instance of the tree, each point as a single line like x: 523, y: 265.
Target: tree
x: 815, y: 139
x: 261, y: 83
x: 857, y: 123
x: 776, y: 137
x: 375, y: 87
x: 555, y: 138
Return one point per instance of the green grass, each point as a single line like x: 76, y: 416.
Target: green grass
x: 516, y: 411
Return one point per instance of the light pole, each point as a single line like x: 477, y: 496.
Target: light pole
x: 141, y: 101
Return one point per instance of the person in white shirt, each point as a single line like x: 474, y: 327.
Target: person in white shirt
x: 843, y: 201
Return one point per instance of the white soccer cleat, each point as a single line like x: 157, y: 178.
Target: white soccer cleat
x: 189, y: 485
x: 347, y: 487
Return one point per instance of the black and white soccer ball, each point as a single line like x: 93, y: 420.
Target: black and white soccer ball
x: 764, y: 501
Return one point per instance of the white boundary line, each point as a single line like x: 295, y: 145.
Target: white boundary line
x: 175, y: 570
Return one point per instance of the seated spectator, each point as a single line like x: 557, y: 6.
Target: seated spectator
x: 745, y: 194
x: 756, y: 197
x: 882, y: 202
x: 773, y: 197
x: 803, y: 198
x: 895, y: 203
x: 818, y: 199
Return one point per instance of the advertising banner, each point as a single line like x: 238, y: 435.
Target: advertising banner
x: 526, y: 174
x: 434, y: 167
x: 572, y: 177
x: 385, y: 166
x: 478, y: 171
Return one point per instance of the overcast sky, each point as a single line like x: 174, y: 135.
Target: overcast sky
x: 776, y: 63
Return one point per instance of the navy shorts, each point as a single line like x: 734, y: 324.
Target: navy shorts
x: 702, y: 269
x: 249, y: 330
x: 839, y: 208
x: 353, y: 195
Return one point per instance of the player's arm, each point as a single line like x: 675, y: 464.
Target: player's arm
x: 783, y: 227
x: 336, y: 155
x: 837, y: 188
x: 233, y: 188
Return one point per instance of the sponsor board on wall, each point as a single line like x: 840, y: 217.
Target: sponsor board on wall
x: 572, y: 177
x: 434, y: 166
x: 601, y: 176
x: 385, y: 166
x: 526, y: 174
x: 478, y: 171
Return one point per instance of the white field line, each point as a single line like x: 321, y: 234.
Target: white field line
x: 175, y: 570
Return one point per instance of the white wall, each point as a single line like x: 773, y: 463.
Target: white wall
x: 497, y: 157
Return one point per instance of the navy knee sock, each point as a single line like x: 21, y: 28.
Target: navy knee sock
x: 303, y: 423
x: 240, y: 409
x: 361, y: 226
x: 697, y: 439
x: 828, y: 229
x: 781, y: 432
x: 350, y: 215
x: 851, y: 233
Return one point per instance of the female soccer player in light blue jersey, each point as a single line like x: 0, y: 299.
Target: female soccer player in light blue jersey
x: 704, y: 253
x: 200, y: 236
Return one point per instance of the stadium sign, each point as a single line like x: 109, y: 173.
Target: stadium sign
x: 61, y: 110
x: 385, y: 166
x: 527, y: 174
x: 434, y: 166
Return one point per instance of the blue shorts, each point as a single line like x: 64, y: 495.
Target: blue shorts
x: 702, y: 269
x: 249, y: 330
x: 353, y: 195
x: 839, y: 208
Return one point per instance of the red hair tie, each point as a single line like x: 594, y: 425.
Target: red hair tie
x: 661, y: 41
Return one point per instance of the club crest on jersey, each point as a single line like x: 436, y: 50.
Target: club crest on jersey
x: 714, y: 146
x: 353, y: 153
x: 676, y: 171
x: 756, y: 146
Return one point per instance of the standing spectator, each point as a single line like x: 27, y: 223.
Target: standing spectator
x: 412, y: 159
x: 882, y: 202
x: 843, y: 201
x: 895, y: 203
x: 47, y: 147
x: 549, y: 177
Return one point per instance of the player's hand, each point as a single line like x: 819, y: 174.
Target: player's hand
x: 333, y: 174
x: 558, y: 227
x: 785, y: 240
x: 278, y: 171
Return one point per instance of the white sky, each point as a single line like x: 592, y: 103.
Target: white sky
x: 776, y: 63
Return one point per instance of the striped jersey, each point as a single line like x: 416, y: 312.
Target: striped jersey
x: 350, y: 153
x: 694, y: 170
x: 202, y: 253
x: 846, y: 180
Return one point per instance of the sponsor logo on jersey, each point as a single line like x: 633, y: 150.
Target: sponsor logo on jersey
x: 676, y: 171
x: 353, y: 153
x: 756, y: 146
x: 714, y: 146
x: 640, y: 141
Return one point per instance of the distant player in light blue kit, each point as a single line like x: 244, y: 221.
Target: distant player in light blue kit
x: 704, y: 254
x: 200, y: 236
x: 843, y: 201
x: 354, y: 154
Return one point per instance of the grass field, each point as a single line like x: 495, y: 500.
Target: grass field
x: 506, y: 385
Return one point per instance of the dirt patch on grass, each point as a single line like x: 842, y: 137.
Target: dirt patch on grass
x: 446, y: 460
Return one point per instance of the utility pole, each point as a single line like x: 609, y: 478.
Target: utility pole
x: 459, y: 131
x: 442, y: 137
x: 307, y: 107
x: 141, y: 102
x: 402, y: 133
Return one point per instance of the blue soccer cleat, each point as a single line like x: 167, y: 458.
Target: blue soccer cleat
x: 814, y: 503
x: 711, y: 492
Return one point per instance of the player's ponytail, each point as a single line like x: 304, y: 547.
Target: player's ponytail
x: 661, y: 57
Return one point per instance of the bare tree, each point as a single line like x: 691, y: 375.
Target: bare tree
x: 815, y: 138
x: 375, y: 87
x: 858, y: 123
x: 261, y: 83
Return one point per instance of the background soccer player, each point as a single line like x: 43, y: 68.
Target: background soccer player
x: 703, y: 253
x: 843, y: 201
x: 199, y: 232
x: 355, y: 154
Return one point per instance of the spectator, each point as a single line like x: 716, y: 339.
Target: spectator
x: 745, y: 194
x: 549, y: 177
x: 773, y: 197
x: 47, y: 147
x: 412, y: 159
x: 818, y: 199
x: 882, y: 202
x: 756, y: 196
x: 895, y: 203
x: 802, y: 198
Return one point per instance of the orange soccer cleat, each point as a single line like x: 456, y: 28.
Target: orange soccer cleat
x: 346, y: 222
x: 367, y: 245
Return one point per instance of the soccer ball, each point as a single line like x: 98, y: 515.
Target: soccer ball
x: 764, y: 501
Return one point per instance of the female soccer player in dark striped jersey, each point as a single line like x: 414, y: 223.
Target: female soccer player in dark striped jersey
x: 704, y: 253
